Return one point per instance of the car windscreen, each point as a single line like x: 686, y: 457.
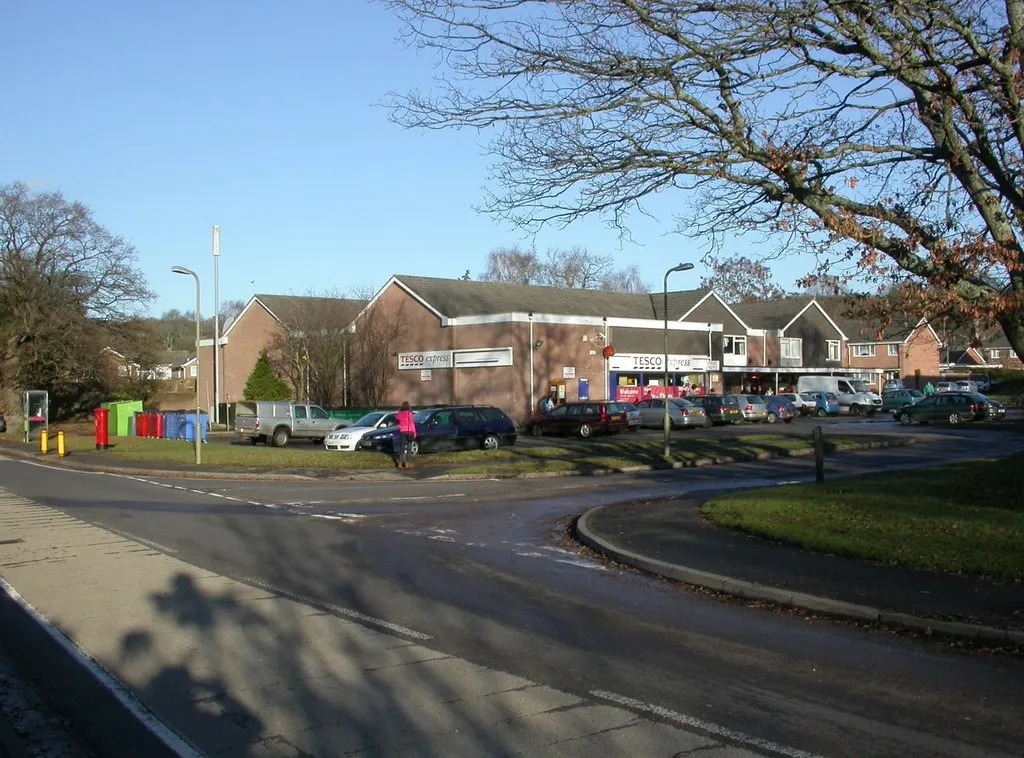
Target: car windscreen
x: 370, y: 419
x: 859, y: 386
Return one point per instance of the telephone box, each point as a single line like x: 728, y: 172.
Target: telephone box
x: 36, y: 412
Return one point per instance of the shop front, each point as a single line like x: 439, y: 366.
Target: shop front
x: 633, y: 377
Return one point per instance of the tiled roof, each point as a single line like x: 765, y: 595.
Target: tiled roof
x: 458, y: 297
x: 861, y: 330
x: 173, y: 357
x: 771, y: 314
x: 282, y: 305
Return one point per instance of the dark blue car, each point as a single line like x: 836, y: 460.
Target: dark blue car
x: 452, y: 427
x: 780, y: 409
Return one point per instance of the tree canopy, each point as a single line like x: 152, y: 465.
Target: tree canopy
x: 575, y: 268
x: 740, y: 280
x: 68, y: 286
x: 264, y: 384
x: 883, y: 137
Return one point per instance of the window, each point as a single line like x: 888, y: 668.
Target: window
x: 791, y: 347
x: 316, y: 411
x: 734, y: 345
x: 894, y: 349
x: 863, y: 351
x: 193, y: 371
x: 993, y: 353
x: 300, y: 411
x: 833, y: 350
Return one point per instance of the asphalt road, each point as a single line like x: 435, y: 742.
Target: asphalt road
x: 486, y: 570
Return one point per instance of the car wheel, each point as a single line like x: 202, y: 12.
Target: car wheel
x: 772, y: 417
x: 414, y: 447
x: 820, y: 412
x: 854, y: 410
x: 585, y: 430
x: 906, y: 419
x: 954, y: 418
x: 280, y: 438
x: 537, y: 430
x: 708, y: 423
x: 491, y: 442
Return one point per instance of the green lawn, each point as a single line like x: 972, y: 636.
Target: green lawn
x: 965, y: 518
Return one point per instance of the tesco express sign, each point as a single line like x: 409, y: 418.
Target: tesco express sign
x: 425, y: 359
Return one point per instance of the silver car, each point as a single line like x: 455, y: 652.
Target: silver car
x: 681, y: 413
x: 806, y: 406
x: 753, y: 407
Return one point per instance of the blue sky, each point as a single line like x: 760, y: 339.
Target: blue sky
x: 264, y: 118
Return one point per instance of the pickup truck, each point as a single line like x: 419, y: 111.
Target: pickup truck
x: 274, y: 423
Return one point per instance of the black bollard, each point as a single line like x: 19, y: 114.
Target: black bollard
x: 819, y: 455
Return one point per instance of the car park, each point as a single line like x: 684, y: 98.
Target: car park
x: 893, y: 399
x: 954, y: 407
x: 681, y: 413
x: 825, y: 403
x: 804, y: 406
x: 350, y: 438
x: 781, y: 408
x: 633, y: 416
x: 721, y: 409
x: 584, y: 418
x: 451, y: 427
x: 753, y: 407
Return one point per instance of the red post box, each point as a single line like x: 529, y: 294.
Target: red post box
x: 101, y: 416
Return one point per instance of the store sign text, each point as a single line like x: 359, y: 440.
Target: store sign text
x: 655, y: 362
x: 425, y: 359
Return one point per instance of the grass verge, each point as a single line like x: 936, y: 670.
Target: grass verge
x: 592, y: 456
x: 965, y: 518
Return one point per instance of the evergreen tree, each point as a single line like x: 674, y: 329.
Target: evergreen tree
x: 263, y: 383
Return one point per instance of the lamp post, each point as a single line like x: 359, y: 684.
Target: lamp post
x: 667, y: 423
x: 199, y: 426
x: 216, y: 325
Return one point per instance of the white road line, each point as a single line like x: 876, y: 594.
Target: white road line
x: 174, y: 742
x: 705, y: 726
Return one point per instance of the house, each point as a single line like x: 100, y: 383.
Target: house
x: 992, y: 350
x: 503, y: 344
x: 169, y: 365
x: 263, y: 320
x: 793, y: 336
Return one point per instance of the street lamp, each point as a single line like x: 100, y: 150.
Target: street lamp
x: 667, y: 423
x: 198, y: 432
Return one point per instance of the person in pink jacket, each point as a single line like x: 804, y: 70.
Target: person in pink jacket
x: 406, y: 434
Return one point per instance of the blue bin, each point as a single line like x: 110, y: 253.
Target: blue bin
x: 172, y: 426
x: 190, y: 426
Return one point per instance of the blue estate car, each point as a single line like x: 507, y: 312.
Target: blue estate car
x: 826, y: 403
x: 454, y: 427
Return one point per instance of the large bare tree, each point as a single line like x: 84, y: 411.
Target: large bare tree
x: 883, y: 136
x: 575, y: 268
x: 65, y: 283
x: 377, y: 333
x: 739, y: 279
x: 312, y: 352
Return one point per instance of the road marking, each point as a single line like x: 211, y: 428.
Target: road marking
x: 705, y: 726
x: 174, y: 742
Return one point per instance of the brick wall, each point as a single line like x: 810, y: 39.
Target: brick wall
x: 921, y: 353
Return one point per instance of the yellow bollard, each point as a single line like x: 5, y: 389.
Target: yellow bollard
x: 44, y: 442
x: 60, y: 445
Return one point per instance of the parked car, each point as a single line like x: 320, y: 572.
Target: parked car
x: 891, y: 384
x: 825, y: 403
x: 633, y: 417
x: 781, y: 408
x: 804, y: 406
x: 895, y: 399
x: 753, y: 407
x: 350, y: 438
x: 681, y: 413
x: 277, y: 422
x: 854, y: 395
x: 966, y: 385
x: 583, y: 418
x: 721, y: 409
x: 954, y: 407
x: 945, y: 386
x: 996, y: 410
x: 450, y: 427
x: 984, y: 382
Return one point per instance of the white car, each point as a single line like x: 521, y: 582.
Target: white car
x: 946, y: 387
x: 804, y: 405
x: 965, y: 385
x: 348, y: 439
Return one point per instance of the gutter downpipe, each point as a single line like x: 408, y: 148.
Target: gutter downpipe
x: 531, y: 364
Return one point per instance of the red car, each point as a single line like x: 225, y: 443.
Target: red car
x: 583, y: 418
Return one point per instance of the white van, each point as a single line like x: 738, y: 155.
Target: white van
x: 855, y: 397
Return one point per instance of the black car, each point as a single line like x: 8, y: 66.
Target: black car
x: 450, y: 427
x: 954, y: 407
x: 721, y: 409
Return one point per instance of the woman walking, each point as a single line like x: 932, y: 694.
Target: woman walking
x: 406, y: 434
